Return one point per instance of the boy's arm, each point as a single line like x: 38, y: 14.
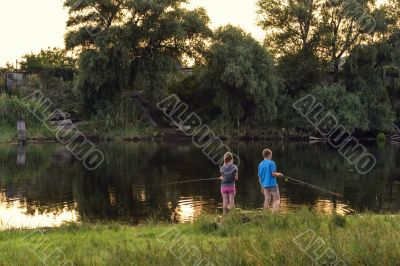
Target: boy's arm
x: 274, y: 172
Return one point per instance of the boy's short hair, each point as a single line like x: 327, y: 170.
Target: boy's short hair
x: 266, y: 153
x: 228, y: 157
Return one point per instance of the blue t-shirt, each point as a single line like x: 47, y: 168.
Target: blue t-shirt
x: 265, y: 170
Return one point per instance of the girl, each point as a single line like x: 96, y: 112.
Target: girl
x: 229, y: 174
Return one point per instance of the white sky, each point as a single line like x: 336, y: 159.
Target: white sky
x: 30, y: 25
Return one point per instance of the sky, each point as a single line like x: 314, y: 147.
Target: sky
x: 28, y: 26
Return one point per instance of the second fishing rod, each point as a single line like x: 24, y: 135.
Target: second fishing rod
x: 305, y: 184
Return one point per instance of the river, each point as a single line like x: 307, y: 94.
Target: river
x: 42, y: 185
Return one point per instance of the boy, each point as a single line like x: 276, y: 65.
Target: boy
x: 267, y: 175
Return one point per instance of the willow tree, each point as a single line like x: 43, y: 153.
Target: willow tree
x: 239, y: 76
x: 131, y: 44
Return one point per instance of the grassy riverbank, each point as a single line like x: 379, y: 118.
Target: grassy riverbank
x: 251, y: 239
x: 39, y: 133
x: 34, y: 133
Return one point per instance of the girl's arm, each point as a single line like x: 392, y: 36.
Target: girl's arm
x: 237, y: 176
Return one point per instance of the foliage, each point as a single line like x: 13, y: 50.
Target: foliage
x: 292, y: 25
x: 328, y: 28
x: 124, y: 41
x: 51, y: 63
x: 380, y: 111
x: 13, y: 108
x: 346, y: 107
x: 300, y: 72
x: 139, y: 46
x: 239, y: 76
x: 118, y: 115
x: 345, y: 24
x: 364, y: 71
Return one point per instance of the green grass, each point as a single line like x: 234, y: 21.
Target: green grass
x: 251, y: 239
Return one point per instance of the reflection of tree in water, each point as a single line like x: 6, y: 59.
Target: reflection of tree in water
x: 137, y: 170
x: 108, y: 191
x: 323, y: 166
x: 128, y: 185
x: 39, y: 186
x: 36, y: 161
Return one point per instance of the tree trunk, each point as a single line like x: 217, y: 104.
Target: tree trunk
x: 336, y: 70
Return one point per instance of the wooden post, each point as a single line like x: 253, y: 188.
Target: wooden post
x: 21, y: 155
x: 21, y: 131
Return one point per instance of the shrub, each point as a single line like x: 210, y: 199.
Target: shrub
x: 13, y: 108
x: 120, y: 114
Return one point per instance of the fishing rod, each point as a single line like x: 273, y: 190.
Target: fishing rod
x: 286, y: 178
x: 188, y: 181
x: 299, y: 182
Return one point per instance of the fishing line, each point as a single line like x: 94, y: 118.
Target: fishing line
x: 305, y: 184
x: 187, y: 181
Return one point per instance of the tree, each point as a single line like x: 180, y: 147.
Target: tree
x: 346, y: 107
x: 53, y: 62
x: 391, y: 10
x: 239, y: 76
x: 291, y: 25
x: 132, y: 44
x: 293, y: 36
x: 364, y: 72
x: 344, y: 25
x: 326, y: 28
x: 300, y: 72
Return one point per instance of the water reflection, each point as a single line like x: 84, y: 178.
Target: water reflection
x: 328, y: 206
x: 14, y: 214
x: 52, y: 188
x: 21, y: 157
x: 188, y: 209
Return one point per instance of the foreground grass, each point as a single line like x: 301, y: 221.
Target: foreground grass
x: 251, y: 239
